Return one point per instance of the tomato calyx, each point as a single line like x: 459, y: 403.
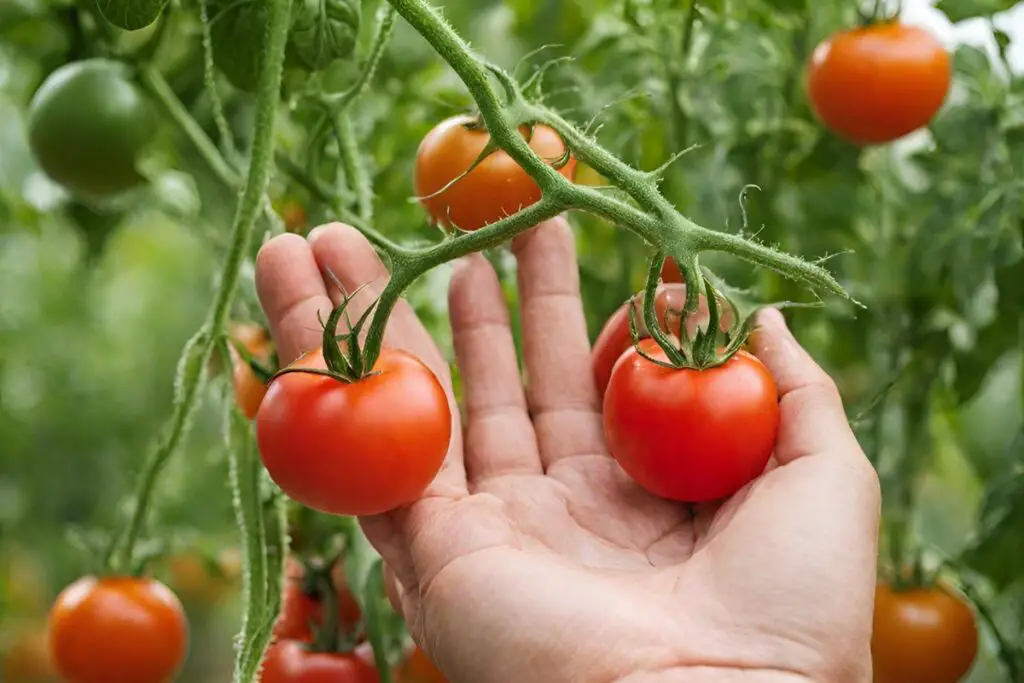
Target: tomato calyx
x: 709, y: 346
x: 342, y: 352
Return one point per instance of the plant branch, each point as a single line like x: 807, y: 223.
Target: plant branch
x: 317, y: 190
x: 385, y: 28
x: 154, y: 83
x: 197, y: 353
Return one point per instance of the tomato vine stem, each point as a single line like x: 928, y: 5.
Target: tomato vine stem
x: 653, y: 218
x: 191, y: 377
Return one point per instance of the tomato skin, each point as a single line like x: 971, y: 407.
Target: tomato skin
x: 290, y: 661
x: 496, y: 188
x: 117, y: 630
x: 87, y: 124
x: 196, y: 582
x: 690, y: 435
x: 355, y: 449
x: 615, y: 337
x: 300, y: 612
x: 922, y: 635
x: 876, y: 84
x: 249, y: 388
x: 419, y: 668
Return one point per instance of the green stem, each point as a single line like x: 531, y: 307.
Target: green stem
x: 196, y: 355
x: 409, y: 266
x: 355, y: 166
x: 154, y: 82
x: 317, y: 190
x: 374, y: 622
x: 385, y: 28
x: 1009, y: 655
x: 227, y: 140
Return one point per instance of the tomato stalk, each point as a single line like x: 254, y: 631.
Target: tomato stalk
x: 191, y: 376
x: 654, y: 219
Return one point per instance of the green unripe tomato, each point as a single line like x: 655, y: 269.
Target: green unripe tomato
x: 325, y: 30
x: 131, y: 15
x: 87, y: 124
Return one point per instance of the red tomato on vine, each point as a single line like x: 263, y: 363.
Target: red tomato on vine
x: 293, y: 661
x: 922, y: 635
x: 876, y: 84
x: 249, y: 387
x: 355, y: 448
x: 302, y: 608
x: 496, y: 188
x: 117, y: 630
x: 691, y: 435
x: 615, y: 337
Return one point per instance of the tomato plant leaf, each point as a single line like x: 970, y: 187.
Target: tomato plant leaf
x: 131, y: 15
x: 324, y: 31
x: 995, y: 551
x: 958, y: 10
x: 236, y: 34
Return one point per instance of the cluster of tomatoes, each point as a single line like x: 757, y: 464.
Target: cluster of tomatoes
x: 134, y: 630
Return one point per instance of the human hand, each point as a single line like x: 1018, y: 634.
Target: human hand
x: 533, y: 557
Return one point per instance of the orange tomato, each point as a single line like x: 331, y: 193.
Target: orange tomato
x: 419, y: 668
x: 196, y: 582
x: 117, y: 630
x: 876, y: 84
x: 249, y: 389
x: 496, y: 188
x: 922, y: 635
x: 25, y: 658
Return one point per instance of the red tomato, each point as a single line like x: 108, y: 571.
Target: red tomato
x: 922, y: 635
x: 496, y: 188
x: 302, y: 611
x: 615, y: 338
x: 670, y: 271
x: 419, y: 668
x: 358, y: 448
x: 249, y: 388
x: 291, y: 661
x: 117, y: 630
x: 691, y: 435
x: 876, y: 84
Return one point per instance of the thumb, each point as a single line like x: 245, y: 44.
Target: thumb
x: 812, y: 419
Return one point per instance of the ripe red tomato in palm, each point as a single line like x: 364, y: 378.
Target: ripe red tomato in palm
x: 691, y: 435
x: 922, y: 635
x: 302, y: 611
x: 876, y: 84
x: 359, y: 448
x: 615, y: 337
x: 117, y: 630
x: 496, y: 188
x: 292, y: 661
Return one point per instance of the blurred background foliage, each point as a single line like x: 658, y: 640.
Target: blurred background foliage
x: 96, y: 300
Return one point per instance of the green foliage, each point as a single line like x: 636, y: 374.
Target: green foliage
x: 325, y: 30
x: 99, y: 297
x: 130, y: 15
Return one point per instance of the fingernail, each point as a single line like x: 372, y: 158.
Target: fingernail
x: 314, y: 233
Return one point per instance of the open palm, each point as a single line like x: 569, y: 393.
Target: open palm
x: 532, y: 557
